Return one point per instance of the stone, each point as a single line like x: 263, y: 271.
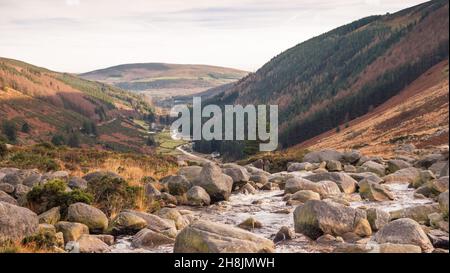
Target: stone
x: 437, y: 167
x: 417, y: 213
x: 77, y: 183
x: 396, y: 164
x: 334, y: 166
x: 349, y: 169
x: 92, y: 217
x: 259, y: 178
x: 7, y: 188
x: 94, y: 176
x: 316, y: 218
x: 16, y: 222
x: 191, y: 173
x: 351, y: 157
x: 4, y: 197
x: 323, y: 155
x: 71, y: 231
x: 151, y: 192
x: 377, y: 218
x: 269, y: 186
x: 443, y: 203
x: 147, y: 238
x: 91, y: 244
x: 157, y: 224
x: 52, y: 216
x: 305, y: 195
x: 197, y: 196
x: 238, y: 173
x: 126, y: 223
x: 345, y: 182
x: 216, y: 184
x: 440, y: 185
x: 428, y: 160
x: 435, y: 218
x: 107, y: 239
x: 284, y: 234
x: 174, y: 215
x: 250, y: 224
x: 373, y: 167
x: 298, y: 167
x: 323, y: 188
x: 209, y: 237
x: 439, y: 239
x: 404, y: 231
x: 425, y: 177
x: 373, y: 191
x: 444, y: 171
x: 178, y: 185
x: 404, y: 176
x: 371, y: 176
x: 399, y: 248
x: 60, y: 175
x: 18, y: 177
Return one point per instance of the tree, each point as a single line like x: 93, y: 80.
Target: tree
x: 151, y: 141
x: 74, y: 141
x: 58, y: 140
x: 26, y: 128
x: 9, y: 130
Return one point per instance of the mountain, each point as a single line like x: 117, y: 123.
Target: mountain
x: 50, y: 104
x: 165, y: 80
x: 333, y: 78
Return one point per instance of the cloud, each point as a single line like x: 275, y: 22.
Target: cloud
x: 72, y: 3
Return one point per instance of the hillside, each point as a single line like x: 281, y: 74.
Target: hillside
x: 165, y: 80
x: 53, y: 104
x: 418, y: 115
x: 343, y: 74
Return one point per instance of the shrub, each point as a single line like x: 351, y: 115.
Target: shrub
x: 58, y: 140
x: 42, y: 240
x: 3, y: 150
x: 9, y: 130
x: 113, y: 194
x: 53, y: 194
x: 74, y: 141
x: 27, y: 160
x: 26, y: 128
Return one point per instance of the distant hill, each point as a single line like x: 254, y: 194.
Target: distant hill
x: 331, y: 79
x: 165, y: 80
x: 62, y: 104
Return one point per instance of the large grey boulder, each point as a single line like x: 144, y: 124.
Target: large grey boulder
x: 397, y: 164
x: 404, y: 176
x: 7, y: 188
x: 77, y: 183
x: 71, y: 231
x: 351, y: 157
x: 443, y: 203
x: 418, y: 213
x: 197, y: 196
x: 208, y: 237
x: 216, y: 184
x: 323, y: 155
x: 345, y: 182
x: 52, y: 216
x: 238, y: 173
x: 323, y: 188
x: 16, y: 222
x: 404, y: 231
x: 190, y: 172
x: 297, y: 167
x: 91, y: 244
x: 373, y: 167
x: 178, y: 184
x: 4, y: 197
x: 19, y: 176
x: 147, y: 238
x: 316, y: 218
x: 92, y: 217
x: 126, y: 223
x: 157, y: 224
x: 444, y: 171
x: 373, y: 191
x: 377, y: 218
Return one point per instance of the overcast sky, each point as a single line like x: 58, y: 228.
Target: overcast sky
x: 81, y: 35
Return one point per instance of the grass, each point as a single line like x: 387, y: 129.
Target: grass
x: 167, y: 145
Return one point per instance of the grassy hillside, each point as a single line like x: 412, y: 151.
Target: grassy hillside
x: 338, y: 76
x: 41, y: 104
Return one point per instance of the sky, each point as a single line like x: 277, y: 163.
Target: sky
x: 82, y: 35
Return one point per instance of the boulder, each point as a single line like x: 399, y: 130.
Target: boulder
x: 305, y: 195
x: 197, y: 196
x: 424, y: 178
x: 373, y: 167
x: 316, y: 218
x: 417, y: 213
x: 126, y: 223
x: 428, y: 160
x: 284, y: 234
x: 349, y: 169
x: 16, y: 222
x: 396, y: 164
x: 216, y: 184
x: 33, y: 179
x: 399, y: 248
x: 443, y: 203
x: 208, y: 237
x: 351, y: 157
x: 377, y: 218
x: 91, y: 244
x: 374, y: 192
x: 147, y: 238
x: 71, y: 231
x: 157, y: 224
x: 334, y: 166
x: 323, y: 155
x: 259, y: 178
x: 404, y: 231
x: 151, y: 192
x: 100, y: 175
x: 7, y: 188
x: 371, y: 176
x: 92, y: 217
x: 250, y: 224
x: 60, y: 175
x: 18, y: 177
x: 297, y: 167
x: 178, y: 185
x: 437, y: 167
x: 440, y: 185
x: 52, y: 216
x: 345, y: 182
x: 77, y: 183
x: 191, y: 172
x: 238, y: 173
x: 444, y: 171
x: 174, y: 215
x: 323, y: 188
x: 404, y: 176
x: 4, y: 197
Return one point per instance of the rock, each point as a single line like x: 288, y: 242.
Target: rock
x: 439, y: 239
x: 52, y: 216
x: 284, y: 234
x: 323, y: 155
x: 323, y: 188
x: 174, y: 215
x: 4, y: 197
x: 21, y: 193
x: 417, y: 213
x: 216, y: 184
x: 169, y: 199
x: 349, y: 169
x: 395, y: 165
x: 305, y: 195
x: 208, y: 237
x: 151, y: 192
x: 399, y: 248
x: 334, y: 166
x: 72, y: 247
x: 428, y: 160
x: 18, y: 177
x: 328, y: 239
x: 258, y: 178
x: 147, y: 238
x: 316, y: 218
x: 92, y: 217
x: 71, y: 231
x: 77, y: 183
x: 197, y: 196
x: 377, y: 218
x: 371, y: 176
x: 373, y: 191
x: 424, y: 177
x: 352, y: 248
x: 32, y: 180
x: 269, y: 186
x: 16, y: 222
x: 440, y: 185
x: 404, y: 231
x: 91, y: 244
x: 191, y: 172
x: 351, y: 157
x: 435, y: 218
x: 254, y: 170
x: 404, y: 176
x: 126, y: 223
x: 247, y: 189
x: 343, y: 180
x: 437, y: 167
x: 443, y: 203
x: 238, y: 173
x: 250, y: 224
x: 7, y: 188
x: 107, y: 239
x: 444, y: 171
x: 373, y: 167
x: 178, y: 185
x: 100, y: 175
x: 297, y: 167
x: 157, y: 224
x: 60, y: 175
